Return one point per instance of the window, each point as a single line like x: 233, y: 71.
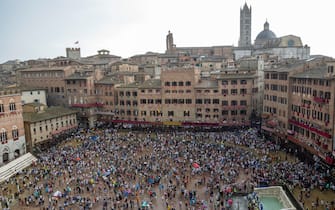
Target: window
x: 174, y: 83
x: 225, y: 112
x: 167, y: 83
x: 243, y: 82
x: 186, y: 113
x: 233, y: 103
x: 224, y: 91
x: 3, y: 135
x: 224, y: 82
x: 234, y: 82
x: 207, y: 101
x: 216, y: 101
x: 243, y: 103
x: 15, y: 133
x: 243, y: 112
x: 243, y: 91
x: 2, y: 109
x: 233, y: 91
x: 12, y: 106
x: 188, y: 83
x: 224, y: 103
x: 170, y: 113
x: 188, y: 101
x: 181, y: 83
x: 198, y: 101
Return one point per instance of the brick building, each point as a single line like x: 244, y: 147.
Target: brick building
x: 12, y: 138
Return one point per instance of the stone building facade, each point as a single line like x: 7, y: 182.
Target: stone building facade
x: 12, y: 137
x: 298, y: 106
x: 50, y: 78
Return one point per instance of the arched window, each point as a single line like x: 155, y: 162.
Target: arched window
x: 15, y: 132
x: 12, y: 106
x: 3, y: 135
x: 2, y: 108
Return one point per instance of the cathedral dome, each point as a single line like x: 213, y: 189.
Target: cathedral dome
x: 264, y: 36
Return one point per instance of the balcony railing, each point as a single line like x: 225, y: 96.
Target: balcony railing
x: 315, y: 130
x: 321, y: 100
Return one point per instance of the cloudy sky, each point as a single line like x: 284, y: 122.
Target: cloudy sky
x: 44, y: 28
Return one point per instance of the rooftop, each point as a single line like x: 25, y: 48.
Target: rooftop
x: 151, y: 83
x: 109, y: 80
x: 49, y: 113
x: 315, y: 73
x: 207, y: 84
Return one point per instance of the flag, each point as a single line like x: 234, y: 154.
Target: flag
x: 77, y: 42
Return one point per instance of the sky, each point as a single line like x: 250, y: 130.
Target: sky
x: 45, y: 28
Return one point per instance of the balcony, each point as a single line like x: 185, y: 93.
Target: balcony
x: 315, y: 130
x: 321, y: 100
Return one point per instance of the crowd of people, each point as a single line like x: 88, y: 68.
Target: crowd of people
x: 111, y: 169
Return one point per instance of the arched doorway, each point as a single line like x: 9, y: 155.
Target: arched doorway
x: 5, y: 157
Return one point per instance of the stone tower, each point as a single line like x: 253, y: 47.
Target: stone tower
x: 73, y: 53
x: 245, y: 27
x: 169, y: 43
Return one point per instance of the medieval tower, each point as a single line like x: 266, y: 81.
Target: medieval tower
x: 245, y: 27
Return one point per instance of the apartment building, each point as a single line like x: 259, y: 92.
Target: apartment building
x: 127, y: 106
x: 81, y: 95
x: 105, y: 90
x: 237, y: 95
x: 50, y: 78
x: 311, y: 122
x: 298, y: 106
x: 178, y: 96
x: 12, y: 138
x: 150, y: 101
